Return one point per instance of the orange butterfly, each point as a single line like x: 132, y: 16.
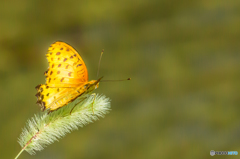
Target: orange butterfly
x: 66, y: 78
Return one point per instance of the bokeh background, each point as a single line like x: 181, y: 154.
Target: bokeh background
x: 183, y: 58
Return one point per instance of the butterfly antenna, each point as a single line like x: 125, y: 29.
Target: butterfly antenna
x: 98, y: 80
x: 115, y: 80
x: 99, y: 62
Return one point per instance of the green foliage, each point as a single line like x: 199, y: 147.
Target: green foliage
x: 43, y: 129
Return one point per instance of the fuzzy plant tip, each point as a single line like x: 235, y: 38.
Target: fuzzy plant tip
x: 45, y: 128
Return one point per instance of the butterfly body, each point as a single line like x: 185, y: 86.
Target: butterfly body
x: 66, y: 78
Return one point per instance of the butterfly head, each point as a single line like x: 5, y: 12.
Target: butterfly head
x: 92, y: 85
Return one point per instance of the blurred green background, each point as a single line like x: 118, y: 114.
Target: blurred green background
x: 183, y: 58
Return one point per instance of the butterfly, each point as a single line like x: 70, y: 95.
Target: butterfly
x: 66, y: 78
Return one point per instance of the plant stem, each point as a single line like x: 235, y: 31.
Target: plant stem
x: 19, y: 153
x: 25, y: 146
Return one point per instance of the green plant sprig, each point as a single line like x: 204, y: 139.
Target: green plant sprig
x: 43, y: 129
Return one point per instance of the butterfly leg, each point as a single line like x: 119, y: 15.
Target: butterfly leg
x: 77, y: 104
x: 93, y: 101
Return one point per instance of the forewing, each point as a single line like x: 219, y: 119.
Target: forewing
x: 66, y: 67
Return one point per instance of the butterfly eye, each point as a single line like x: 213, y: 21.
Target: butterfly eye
x: 86, y: 85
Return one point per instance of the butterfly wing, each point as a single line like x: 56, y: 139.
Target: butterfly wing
x: 66, y: 67
x: 65, y: 77
x: 55, y: 98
